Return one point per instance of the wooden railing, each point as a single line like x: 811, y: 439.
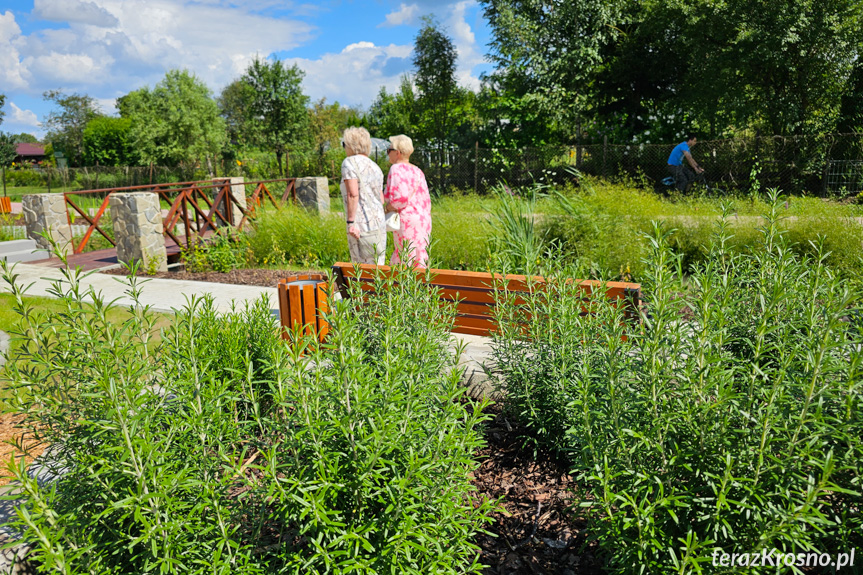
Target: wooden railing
x: 185, y: 201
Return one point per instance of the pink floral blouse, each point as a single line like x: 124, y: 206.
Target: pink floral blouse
x: 408, y: 192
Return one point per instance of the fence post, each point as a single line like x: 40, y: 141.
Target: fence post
x: 604, y: 153
x: 475, y: 165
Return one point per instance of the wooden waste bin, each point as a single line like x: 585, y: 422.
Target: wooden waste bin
x: 5, y: 205
x: 302, y: 299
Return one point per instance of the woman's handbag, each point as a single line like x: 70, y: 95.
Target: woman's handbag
x: 393, y: 221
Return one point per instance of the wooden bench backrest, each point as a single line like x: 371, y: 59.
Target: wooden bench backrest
x: 474, y: 292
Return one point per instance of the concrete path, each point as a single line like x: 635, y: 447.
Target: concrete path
x: 161, y: 294
x: 166, y: 295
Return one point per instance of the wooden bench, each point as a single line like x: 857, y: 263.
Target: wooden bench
x: 474, y: 292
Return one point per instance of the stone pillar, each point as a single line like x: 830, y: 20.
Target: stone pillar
x: 238, y: 191
x: 314, y: 193
x: 46, y: 214
x: 137, y: 218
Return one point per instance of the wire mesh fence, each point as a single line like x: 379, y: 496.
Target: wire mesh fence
x: 828, y: 164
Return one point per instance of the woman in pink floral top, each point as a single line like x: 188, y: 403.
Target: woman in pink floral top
x: 408, y: 193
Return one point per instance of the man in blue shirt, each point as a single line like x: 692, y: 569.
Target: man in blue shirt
x: 683, y: 176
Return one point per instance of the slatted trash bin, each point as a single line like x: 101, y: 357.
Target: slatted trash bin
x: 5, y: 205
x: 302, y: 299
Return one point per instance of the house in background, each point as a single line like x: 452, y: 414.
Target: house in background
x: 29, y: 153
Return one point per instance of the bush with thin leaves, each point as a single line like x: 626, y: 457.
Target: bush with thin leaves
x: 727, y: 419
x: 219, y: 449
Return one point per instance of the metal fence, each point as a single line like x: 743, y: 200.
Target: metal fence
x: 830, y: 164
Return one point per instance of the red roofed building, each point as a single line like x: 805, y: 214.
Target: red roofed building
x: 29, y: 153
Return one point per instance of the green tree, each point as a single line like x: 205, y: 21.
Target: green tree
x: 66, y: 123
x: 434, y: 60
x: 327, y: 122
x: 278, y: 118
x: 547, y: 53
x: 2, y: 103
x: 7, y: 154
x: 392, y: 114
x: 26, y: 138
x: 175, y: 123
x: 235, y: 103
x: 107, y: 143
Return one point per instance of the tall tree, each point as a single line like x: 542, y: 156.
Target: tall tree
x: 26, y: 138
x: 107, y: 142
x: 2, y: 103
x: 177, y: 122
x: 434, y: 60
x: 278, y: 109
x: 327, y: 122
x: 235, y: 103
x: 547, y: 52
x: 392, y: 114
x: 67, y: 121
x: 8, y: 154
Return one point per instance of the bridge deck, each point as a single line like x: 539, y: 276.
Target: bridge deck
x: 99, y: 259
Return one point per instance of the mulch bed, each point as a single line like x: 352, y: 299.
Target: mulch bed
x: 537, y: 532
x: 250, y: 277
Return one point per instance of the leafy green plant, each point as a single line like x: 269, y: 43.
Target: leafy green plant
x: 726, y: 420
x: 221, y: 449
x: 226, y: 250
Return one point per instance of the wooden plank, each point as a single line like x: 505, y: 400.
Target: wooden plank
x: 284, y: 313
x: 296, y: 313
x: 322, y: 306
x: 309, y: 315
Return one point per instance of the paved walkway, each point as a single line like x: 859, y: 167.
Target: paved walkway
x: 161, y: 294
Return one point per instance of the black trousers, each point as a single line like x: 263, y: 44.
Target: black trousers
x: 683, y: 176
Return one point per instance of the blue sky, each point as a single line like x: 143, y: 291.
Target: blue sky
x: 107, y: 48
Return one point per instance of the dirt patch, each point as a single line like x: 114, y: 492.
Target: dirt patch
x: 10, y: 437
x: 538, y: 531
x: 250, y: 277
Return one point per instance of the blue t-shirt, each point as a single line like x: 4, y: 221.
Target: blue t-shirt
x: 676, y: 157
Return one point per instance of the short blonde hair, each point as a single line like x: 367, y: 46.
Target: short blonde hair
x: 403, y: 144
x: 358, y: 140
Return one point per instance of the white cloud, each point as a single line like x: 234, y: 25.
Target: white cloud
x: 464, y: 39
x: 115, y: 46
x: 74, y: 11
x: 355, y: 75
x: 23, y: 117
x: 406, y: 14
x: 13, y: 75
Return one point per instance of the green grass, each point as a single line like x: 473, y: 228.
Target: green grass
x: 599, y: 225
x: 10, y: 321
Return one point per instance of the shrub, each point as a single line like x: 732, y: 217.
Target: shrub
x: 295, y: 235
x: 221, y: 450
x: 19, y: 178
x: 226, y: 250
x: 728, y: 419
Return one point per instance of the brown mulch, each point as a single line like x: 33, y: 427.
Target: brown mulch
x: 537, y: 532
x: 10, y: 434
x: 250, y: 277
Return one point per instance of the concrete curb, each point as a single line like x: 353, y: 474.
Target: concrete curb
x: 5, y: 343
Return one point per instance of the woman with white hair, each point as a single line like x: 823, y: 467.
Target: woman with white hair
x: 362, y: 194
x: 408, y: 193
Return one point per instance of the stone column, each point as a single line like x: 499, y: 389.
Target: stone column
x: 314, y: 193
x: 238, y: 191
x: 46, y: 214
x: 137, y: 218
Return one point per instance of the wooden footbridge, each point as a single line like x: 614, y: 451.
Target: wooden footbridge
x: 192, y: 211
